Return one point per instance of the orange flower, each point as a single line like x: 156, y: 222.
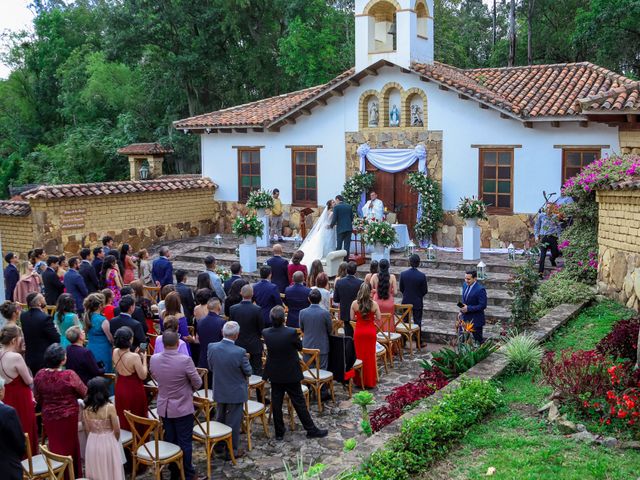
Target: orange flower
x: 468, y: 327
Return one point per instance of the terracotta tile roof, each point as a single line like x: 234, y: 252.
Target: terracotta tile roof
x: 623, y: 98
x: 631, y: 184
x: 14, y: 208
x: 144, y: 149
x: 168, y: 183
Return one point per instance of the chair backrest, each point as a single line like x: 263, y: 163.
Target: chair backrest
x: 152, y: 394
x: 29, y: 456
x: 152, y: 293
x: 402, y: 314
x: 144, y: 430
x: 204, y: 376
x: 202, y: 413
x: 151, y: 348
x: 59, y: 472
x: 311, y: 362
x: 385, y: 320
x: 50, y: 310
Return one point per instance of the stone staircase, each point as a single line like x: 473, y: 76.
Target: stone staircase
x: 445, y: 277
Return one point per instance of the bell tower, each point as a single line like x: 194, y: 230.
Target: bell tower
x: 400, y: 31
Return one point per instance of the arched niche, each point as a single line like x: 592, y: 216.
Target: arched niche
x: 391, y: 96
x: 369, y: 110
x: 422, y: 14
x: 414, y: 111
x: 382, y: 29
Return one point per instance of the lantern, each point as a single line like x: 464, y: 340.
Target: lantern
x: 297, y: 241
x: 431, y: 253
x: 144, y: 171
x: 237, y: 252
x: 217, y: 240
x: 511, y: 250
x: 481, y: 268
x: 410, y: 249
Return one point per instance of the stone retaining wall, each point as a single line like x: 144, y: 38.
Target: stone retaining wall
x: 17, y: 234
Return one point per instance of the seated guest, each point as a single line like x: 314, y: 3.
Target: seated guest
x: 125, y: 319
x: 177, y: 379
x: 109, y: 309
x: 174, y: 307
x: 202, y: 299
x: 234, y: 297
x: 236, y: 272
x: 296, y: 297
x: 11, y: 274
x: 79, y: 358
x: 170, y: 324
x: 210, y: 329
x: 315, y: 323
x: 10, y: 313
x: 266, y: 294
x: 53, y: 287
x: 57, y: 392
x: 230, y: 382
x: 12, y: 442
x: 316, y: 269
x: 131, y: 373
x: 322, y: 282
x: 74, y: 284
x: 186, y: 295
x: 87, y: 271
x: 249, y: 318
x: 279, y: 268
x: 297, y: 266
x: 98, y: 332
x: 39, y: 331
x: 18, y: 381
x: 65, y: 317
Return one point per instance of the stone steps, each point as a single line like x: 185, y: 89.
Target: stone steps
x: 444, y: 332
x: 444, y: 293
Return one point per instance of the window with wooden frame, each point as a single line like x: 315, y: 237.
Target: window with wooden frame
x: 574, y: 160
x: 248, y: 172
x: 304, y: 168
x: 496, y: 179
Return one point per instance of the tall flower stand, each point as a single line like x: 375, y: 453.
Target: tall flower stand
x: 248, y: 255
x: 264, y: 240
x: 471, y: 240
x: 379, y: 252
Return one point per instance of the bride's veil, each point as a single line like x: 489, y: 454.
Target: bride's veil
x: 312, y: 246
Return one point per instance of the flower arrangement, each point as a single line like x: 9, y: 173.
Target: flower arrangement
x: 360, y: 224
x: 379, y: 232
x: 260, y: 199
x: 430, y: 204
x: 471, y: 207
x: 247, y: 225
x: 355, y: 186
x: 223, y: 273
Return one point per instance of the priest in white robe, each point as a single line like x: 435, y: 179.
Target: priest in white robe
x: 374, y: 208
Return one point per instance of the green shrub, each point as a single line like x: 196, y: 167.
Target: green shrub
x: 455, y: 362
x: 560, y: 288
x: 523, y: 352
x: 298, y: 472
x: 524, y: 286
x: 349, y: 444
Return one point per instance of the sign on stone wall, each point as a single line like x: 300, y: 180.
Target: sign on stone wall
x: 73, y: 219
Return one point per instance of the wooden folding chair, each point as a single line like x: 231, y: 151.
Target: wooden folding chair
x: 58, y: 466
x: 389, y: 339
x: 290, y: 409
x: 35, y: 467
x: 257, y: 383
x: 152, y: 394
x: 210, y: 432
x: 149, y: 450
x: 253, y: 410
x: 314, y: 376
x: 336, y: 323
x: 358, y: 369
x: 205, y: 391
x: 152, y: 293
x: 50, y: 310
x: 405, y: 326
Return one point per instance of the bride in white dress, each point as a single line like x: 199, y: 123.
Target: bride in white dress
x: 320, y: 240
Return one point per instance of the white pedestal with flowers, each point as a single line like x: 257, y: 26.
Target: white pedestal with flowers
x: 248, y: 227
x: 260, y: 200
x: 471, y: 210
x: 380, y: 235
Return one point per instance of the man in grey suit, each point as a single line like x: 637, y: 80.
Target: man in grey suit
x: 342, y: 219
x: 231, y: 371
x: 315, y: 323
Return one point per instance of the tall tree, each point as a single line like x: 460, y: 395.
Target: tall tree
x: 530, y: 11
x: 512, y: 33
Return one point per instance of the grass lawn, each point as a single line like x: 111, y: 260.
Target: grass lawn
x: 519, y: 444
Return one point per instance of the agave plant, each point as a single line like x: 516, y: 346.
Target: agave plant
x: 299, y: 473
x: 523, y: 352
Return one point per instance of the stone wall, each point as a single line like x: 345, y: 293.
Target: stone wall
x: 629, y: 135
x: 497, y: 232
x: 17, y: 234
x: 619, y: 245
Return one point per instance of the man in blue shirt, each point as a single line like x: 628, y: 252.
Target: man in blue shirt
x: 162, y: 269
x: 547, y: 230
x: 210, y: 264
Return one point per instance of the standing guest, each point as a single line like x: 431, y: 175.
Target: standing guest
x: 413, y: 285
x: 53, y: 287
x: 119, y: 265
x: 88, y: 273
x: 249, y: 317
x: 109, y: 309
x: 316, y: 269
x: 322, y: 282
x: 186, y: 294
x: 384, y: 286
x: 18, y: 381
x: 202, y: 299
x: 296, y: 266
x: 110, y: 278
x: 98, y: 259
x: 170, y: 324
x: 210, y: 329
x: 279, y: 268
x: 11, y: 275
x: 374, y: 268
x: 129, y: 263
x: 315, y: 323
x: 174, y: 307
x: 103, y: 453
x: 474, y: 300
x: 342, y: 219
x: 74, y: 284
x: 65, y: 317
x: 39, y: 331
x: 177, y: 379
x: 342, y: 271
x: 39, y: 260
x: 162, y: 268
x: 230, y: 382
x: 131, y: 372
x: 138, y: 313
x: 344, y: 293
x: 296, y: 298
x: 28, y: 283
x: 57, y: 392
x: 164, y: 291
x: 125, y: 319
x: 12, y: 442
x: 98, y: 332
x: 275, y: 220
x: 63, y: 266
x: 366, y: 312
x: 236, y: 274
x: 283, y: 371
x: 107, y: 244
x: 10, y: 313
x: 546, y: 231
x: 234, y: 297
x: 203, y: 280
x: 79, y: 358
x: 266, y: 294
x: 143, y: 304
x: 144, y: 267
x: 216, y: 283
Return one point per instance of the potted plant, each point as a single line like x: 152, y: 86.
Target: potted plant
x: 260, y: 200
x: 471, y: 209
x: 380, y: 234
x: 249, y: 227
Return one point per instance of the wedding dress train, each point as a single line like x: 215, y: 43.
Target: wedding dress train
x: 320, y: 240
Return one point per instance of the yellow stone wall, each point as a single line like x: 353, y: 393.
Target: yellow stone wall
x: 629, y: 139
x: 619, y: 245
x: 17, y: 234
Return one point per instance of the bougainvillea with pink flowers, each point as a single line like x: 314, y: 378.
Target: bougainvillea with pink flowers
x: 601, y: 174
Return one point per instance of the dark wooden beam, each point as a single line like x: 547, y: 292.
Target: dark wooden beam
x: 584, y: 124
x: 371, y: 71
x: 322, y: 101
x: 405, y: 70
x: 443, y: 87
x: 290, y: 120
x: 353, y: 83
x: 504, y: 115
x: 304, y: 111
x: 631, y: 118
x: 337, y: 93
x: 275, y: 128
x: 258, y: 129
x: 555, y: 124
x: 226, y: 130
x: 527, y: 124
x: 240, y: 130
x: 425, y: 79
x: 483, y: 106
x: 463, y: 96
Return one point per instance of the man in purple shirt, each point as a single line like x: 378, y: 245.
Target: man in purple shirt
x: 177, y: 379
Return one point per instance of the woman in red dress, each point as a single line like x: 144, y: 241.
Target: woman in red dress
x: 18, y: 381
x: 296, y: 266
x: 109, y: 309
x: 57, y: 391
x: 366, y: 312
x: 131, y: 372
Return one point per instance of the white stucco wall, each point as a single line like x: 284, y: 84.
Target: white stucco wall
x: 537, y: 165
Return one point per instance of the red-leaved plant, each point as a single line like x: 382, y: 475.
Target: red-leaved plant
x: 425, y: 385
x: 576, y: 376
x: 622, y: 341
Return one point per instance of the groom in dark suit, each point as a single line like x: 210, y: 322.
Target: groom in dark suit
x: 343, y: 221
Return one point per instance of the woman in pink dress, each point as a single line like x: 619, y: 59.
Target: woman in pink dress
x: 128, y: 261
x: 384, y: 287
x: 110, y: 277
